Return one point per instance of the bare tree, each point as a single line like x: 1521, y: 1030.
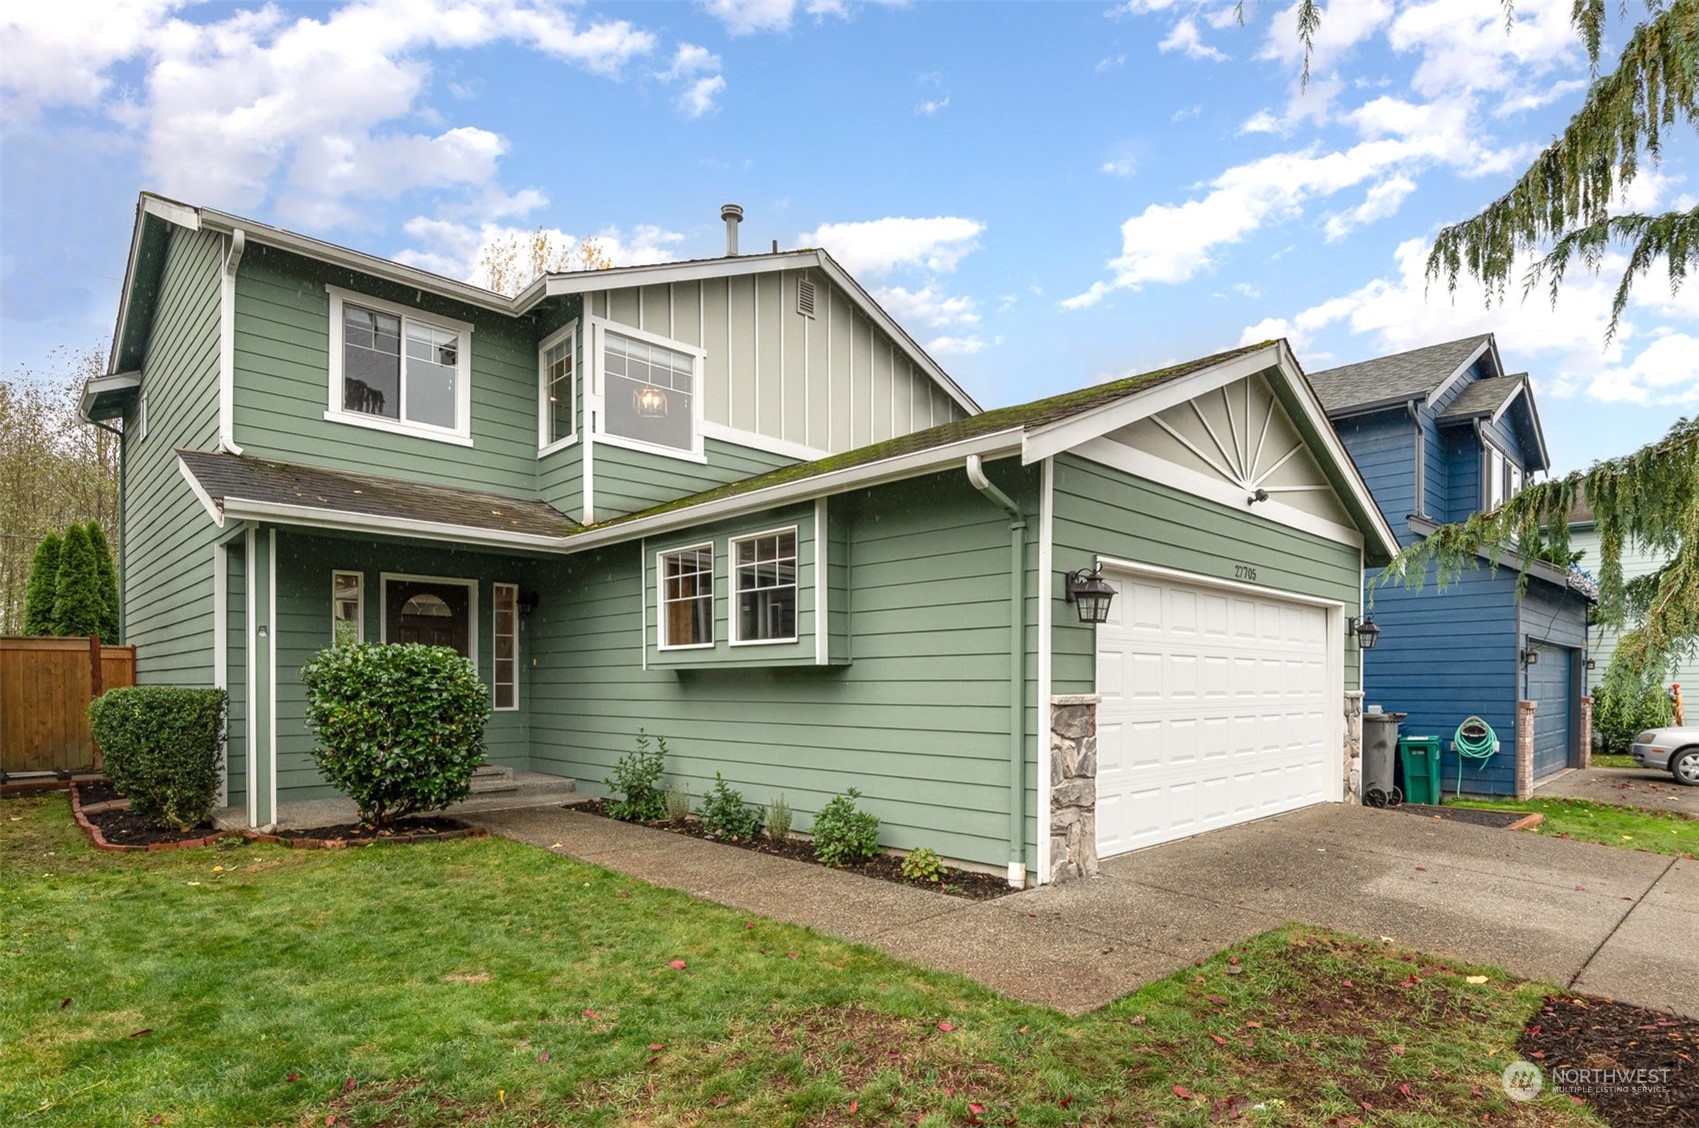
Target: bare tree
x: 510, y: 264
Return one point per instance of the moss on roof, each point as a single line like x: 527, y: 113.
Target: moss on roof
x: 1052, y: 409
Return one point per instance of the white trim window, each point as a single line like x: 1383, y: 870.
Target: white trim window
x: 396, y: 369
x: 347, y: 608
x: 505, y: 632
x: 1495, y: 466
x: 557, y: 390
x: 763, y: 571
x: 650, y: 391
x: 684, y: 579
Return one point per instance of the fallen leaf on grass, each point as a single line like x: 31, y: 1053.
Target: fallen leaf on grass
x: 1217, y: 1039
x: 544, y: 1056
x: 349, y: 1085
x: 1399, y: 1050
x: 677, y: 965
x: 1067, y: 1099
x: 855, y: 1106
x: 791, y: 956
x: 1254, y: 1025
x: 139, y: 1033
x: 1347, y: 983
x: 1404, y: 1088
x: 64, y: 1004
x: 657, y: 1046
x: 1183, y: 1093
x: 588, y: 1013
x: 1475, y: 979
x: 946, y: 1027
x: 976, y: 1108
x: 293, y: 1076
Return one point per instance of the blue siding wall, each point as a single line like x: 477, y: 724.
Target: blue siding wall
x: 1383, y: 447
x: 1444, y: 656
x: 1463, y: 468
x: 1557, y: 619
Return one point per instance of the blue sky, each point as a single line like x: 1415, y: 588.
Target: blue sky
x: 1046, y: 195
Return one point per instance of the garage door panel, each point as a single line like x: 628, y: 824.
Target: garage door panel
x: 1215, y: 709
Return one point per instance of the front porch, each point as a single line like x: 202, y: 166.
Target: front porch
x: 523, y: 790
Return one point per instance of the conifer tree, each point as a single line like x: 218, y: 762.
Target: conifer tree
x: 108, y: 578
x: 77, y: 606
x: 43, y: 584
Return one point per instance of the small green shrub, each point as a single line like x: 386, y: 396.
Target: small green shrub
x: 678, y: 804
x: 78, y: 606
x: 923, y: 864
x: 43, y: 584
x: 844, y: 835
x: 637, y: 781
x: 725, y: 813
x: 163, y: 747
x: 400, y: 727
x: 1622, y: 709
x: 778, y: 818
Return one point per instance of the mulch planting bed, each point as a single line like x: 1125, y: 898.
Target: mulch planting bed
x: 97, y: 791
x: 1477, y: 816
x: 425, y: 829
x: 115, y: 828
x: 1637, y: 1068
x: 955, y: 882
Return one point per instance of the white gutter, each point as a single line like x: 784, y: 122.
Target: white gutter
x: 241, y: 509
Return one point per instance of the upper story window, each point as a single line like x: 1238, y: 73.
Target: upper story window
x: 557, y: 405
x: 1503, y: 478
x: 687, y: 597
x: 396, y: 369
x: 764, y: 587
x: 649, y: 390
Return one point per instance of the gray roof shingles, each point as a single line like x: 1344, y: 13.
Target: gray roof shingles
x: 1484, y: 397
x: 1388, y: 379
x: 225, y: 476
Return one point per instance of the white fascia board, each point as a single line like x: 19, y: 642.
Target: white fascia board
x: 389, y: 271
x: 1458, y: 372
x: 97, y: 385
x: 739, y: 437
x: 314, y: 517
x: 995, y: 445
x: 661, y: 273
x: 1054, y: 438
x: 171, y: 211
x: 213, y: 508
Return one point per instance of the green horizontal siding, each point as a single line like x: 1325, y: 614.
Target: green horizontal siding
x: 283, y: 382
x: 918, y: 722
x: 1101, y: 511
x: 167, y: 534
x: 626, y: 480
x: 236, y: 618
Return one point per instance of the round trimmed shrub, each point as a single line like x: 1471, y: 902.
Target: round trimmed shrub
x: 163, y: 747
x: 400, y: 727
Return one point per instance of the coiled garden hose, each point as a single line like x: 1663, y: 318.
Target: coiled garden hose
x: 1473, y: 740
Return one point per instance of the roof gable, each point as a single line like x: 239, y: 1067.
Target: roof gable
x: 1387, y: 381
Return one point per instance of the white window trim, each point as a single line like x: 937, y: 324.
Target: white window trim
x: 596, y: 395
x: 544, y: 444
x: 471, y: 607
x: 461, y: 433
x: 495, y: 649
x: 661, y: 642
x: 1490, y: 479
x: 732, y: 593
x: 359, y: 603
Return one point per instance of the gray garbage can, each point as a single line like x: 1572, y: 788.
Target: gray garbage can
x: 1380, y: 753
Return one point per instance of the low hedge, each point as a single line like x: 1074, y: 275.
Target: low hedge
x: 400, y: 727
x: 163, y: 747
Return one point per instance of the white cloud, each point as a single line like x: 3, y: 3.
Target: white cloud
x: 1464, y: 44
x: 1247, y: 290
x: 689, y: 60
x: 454, y: 249
x: 927, y: 108
x: 954, y: 346
x: 1186, y: 112
x: 1112, y: 62
x: 53, y: 58
x: 1381, y: 202
x: 1120, y: 166
x: 1343, y: 27
x: 746, y: 17
x: 699, y: 68
x: 876, y: 246
x: 1665, y: 372
x: 698, y: 98
x: 1137, y: 8
x: 927, y: 306
x: 1184, y: 36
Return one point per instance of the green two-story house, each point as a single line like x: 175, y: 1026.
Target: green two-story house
x: 730, y: 501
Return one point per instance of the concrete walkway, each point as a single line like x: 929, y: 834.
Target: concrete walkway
x: 528, y: 789
x: 1601, y: 920
x: 1622, y: 787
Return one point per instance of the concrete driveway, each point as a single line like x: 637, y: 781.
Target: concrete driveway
x: 1597, y: 919
x: 1622, y: 787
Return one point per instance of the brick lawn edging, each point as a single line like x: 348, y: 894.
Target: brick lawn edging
x: 100, y: 842
x: 1527, y: 822
x: 356, y: 843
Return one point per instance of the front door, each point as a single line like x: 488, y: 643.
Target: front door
x: 433, y: 614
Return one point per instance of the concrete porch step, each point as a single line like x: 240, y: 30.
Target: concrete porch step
x: 492, y: 777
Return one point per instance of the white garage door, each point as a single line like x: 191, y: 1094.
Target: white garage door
x: 1217, y: 707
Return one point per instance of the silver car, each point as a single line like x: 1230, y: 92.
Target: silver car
x: 1676, y: 749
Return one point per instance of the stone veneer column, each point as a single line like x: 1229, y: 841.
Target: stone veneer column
x: 1073, y: 786
x: 1525, y: 749
x: 1586, y: 732
x: 1354, y: 746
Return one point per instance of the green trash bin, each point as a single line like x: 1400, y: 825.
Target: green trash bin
x: 1418, y: 756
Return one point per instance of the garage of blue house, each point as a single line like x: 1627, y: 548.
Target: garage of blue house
x: 1439, y: 434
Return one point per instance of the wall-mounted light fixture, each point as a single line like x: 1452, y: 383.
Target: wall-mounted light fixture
x: 1591, y: 663
x: 1090, y: 594
x: 527, y: 602
x: 1365, y: 630
x: 1530, y: 656
x: 1260, y: 495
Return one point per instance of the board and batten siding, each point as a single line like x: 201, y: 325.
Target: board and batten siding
x: 282, y: 356
x: 917, y: 719
x: 830, y: 382
x: 1102, y: 511
x: 1636, y: 562
x: 168, y: 536
x: 303, y: 628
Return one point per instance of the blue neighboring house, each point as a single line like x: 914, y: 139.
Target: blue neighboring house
x: 1440, y: 433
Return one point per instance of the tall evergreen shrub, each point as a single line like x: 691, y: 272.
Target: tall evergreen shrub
x: 107, y: 574
x: 43, y: 582
x: 77, y: 606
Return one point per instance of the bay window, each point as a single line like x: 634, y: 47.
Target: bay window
x: 763, y: 569
x: 686, y: 578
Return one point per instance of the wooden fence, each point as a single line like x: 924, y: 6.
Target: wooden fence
x: 46, y: 685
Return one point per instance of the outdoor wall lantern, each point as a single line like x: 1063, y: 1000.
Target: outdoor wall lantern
x: 1366, y: 631
x: 1530, y: 657
x: 527, y: 602
x: 1591, y: 663
x: 1089, y: 594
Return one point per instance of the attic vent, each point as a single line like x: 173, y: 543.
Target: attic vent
x: 805, y: 297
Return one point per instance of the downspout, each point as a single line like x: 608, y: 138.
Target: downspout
x: 122, y: 461
x: 1421, y: 486
x: 1017, y: 666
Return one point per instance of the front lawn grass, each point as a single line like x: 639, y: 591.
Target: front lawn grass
x: 484, y: 981
x: 1636, y: 828
x: 1613, y: 760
